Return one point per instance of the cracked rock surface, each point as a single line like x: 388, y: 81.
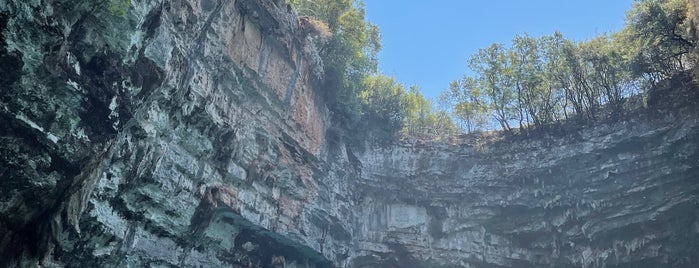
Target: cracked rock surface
x: 193, y: 133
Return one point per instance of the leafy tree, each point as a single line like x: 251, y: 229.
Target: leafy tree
x: 383, y: 103
x: 440, y: 124
x: 388, y: 107
x: 659, y: 33
x: 465, y: 99
x: 550, y: 102
x: 580, y: 93
x: 417, y: 110
x: 608, y: 72
x: 492, y: 74
x: 537, y: 81
x: 527, y: 76
x: 557, y: 75
x: 422, y: 119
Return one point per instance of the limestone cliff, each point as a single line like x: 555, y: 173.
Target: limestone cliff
x: 614, y: 196
x: 192, y: 133
x: 182, y: 133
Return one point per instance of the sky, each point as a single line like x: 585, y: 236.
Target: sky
x: 428, y: 43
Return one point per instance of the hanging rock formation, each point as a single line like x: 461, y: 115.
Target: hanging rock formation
x: 193, y: 134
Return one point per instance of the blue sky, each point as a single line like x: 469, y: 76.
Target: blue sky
x: 427, y: 43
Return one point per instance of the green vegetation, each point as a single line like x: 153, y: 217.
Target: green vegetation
x: 118, y: 7
x: 350, y: 53
x: 383, y: 102
x: 538, y: 81
x: 529, y: 83
x: 422, y: 120
x: 390, y: 110
x: 658, y: 31
x: 355, y: 90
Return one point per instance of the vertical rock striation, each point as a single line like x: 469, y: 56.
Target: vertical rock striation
x: 192, y: 134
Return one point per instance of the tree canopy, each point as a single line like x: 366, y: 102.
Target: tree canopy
x: 530, y: 82
x: 535, y: 81
x: 355, y: 89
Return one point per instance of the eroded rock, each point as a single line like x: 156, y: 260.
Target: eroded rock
x: 192, y: 133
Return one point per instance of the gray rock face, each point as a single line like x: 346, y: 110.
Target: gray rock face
x: 615, y: 196
x: 193, y: 133
x: 180, y: 133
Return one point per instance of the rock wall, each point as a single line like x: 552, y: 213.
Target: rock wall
x: 180, y: 133
x: 622, y: 195
x: 191, y: 133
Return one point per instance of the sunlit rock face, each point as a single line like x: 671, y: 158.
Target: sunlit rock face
x: 193, y: 134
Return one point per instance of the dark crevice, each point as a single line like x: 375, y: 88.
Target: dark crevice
x: 146, y: 75
x: 105, y: 73
x: 152, y: 22
x: 10, y: 62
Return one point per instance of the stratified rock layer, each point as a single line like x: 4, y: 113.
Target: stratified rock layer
x: 182, y: 133
x: 614, y: 196
x: 192, y: 133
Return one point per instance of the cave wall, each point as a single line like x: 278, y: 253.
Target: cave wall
x: 192, y: 133
x: 618, y: 195
x: 161, y: 133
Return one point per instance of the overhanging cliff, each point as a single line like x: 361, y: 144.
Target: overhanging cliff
x: 614, y: 196
x: 192, y: 133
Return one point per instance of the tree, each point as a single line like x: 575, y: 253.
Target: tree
x: 557, y: 75
x: 421, y: 118
x: 582, y: 95
x: 608, y: 71
x: 467, y: 104
x: 383, y: 103
x: 527, y: 77
x: 536, y: 81
x: 659, y: 33
x: 417, y: 110
x: 492, y: 71
x: 441, y: 124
